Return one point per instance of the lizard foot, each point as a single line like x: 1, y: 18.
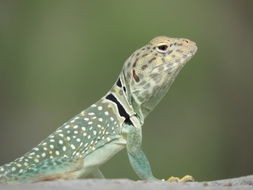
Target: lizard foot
x: 186, y: 178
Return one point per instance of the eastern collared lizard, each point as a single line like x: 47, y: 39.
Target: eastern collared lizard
x: 81, y: 145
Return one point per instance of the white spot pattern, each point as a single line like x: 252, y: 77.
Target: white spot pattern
x: 77, y: 137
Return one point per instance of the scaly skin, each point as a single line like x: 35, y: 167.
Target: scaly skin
x: 81, y: 145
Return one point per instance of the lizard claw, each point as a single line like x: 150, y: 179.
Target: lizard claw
x: 186, y: 178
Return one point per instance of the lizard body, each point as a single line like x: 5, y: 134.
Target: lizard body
x: 81, y: 145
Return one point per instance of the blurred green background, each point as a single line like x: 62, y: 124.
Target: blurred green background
x: 58, y: 57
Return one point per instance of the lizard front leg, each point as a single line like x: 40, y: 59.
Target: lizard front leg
x: 137, y: 158
x: 139, y: 161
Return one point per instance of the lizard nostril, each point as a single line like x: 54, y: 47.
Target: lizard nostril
x: 186, y: 41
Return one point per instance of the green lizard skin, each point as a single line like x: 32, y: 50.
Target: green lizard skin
x: 81, y: 145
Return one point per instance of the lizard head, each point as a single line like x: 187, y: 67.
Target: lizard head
x: 150, y: 70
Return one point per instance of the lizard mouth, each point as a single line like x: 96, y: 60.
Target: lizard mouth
x: 193, y: 50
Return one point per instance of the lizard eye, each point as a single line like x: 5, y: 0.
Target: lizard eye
x: 162, y: 48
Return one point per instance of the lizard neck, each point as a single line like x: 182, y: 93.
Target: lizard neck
x: 120, y: 95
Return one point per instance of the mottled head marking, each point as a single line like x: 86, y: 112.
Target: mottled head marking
x: 150, y: 71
